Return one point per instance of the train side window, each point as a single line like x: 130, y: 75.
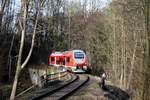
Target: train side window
x: 53, y: 59
x: 68, y: 59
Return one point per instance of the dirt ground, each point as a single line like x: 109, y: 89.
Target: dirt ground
x: 93, y: 91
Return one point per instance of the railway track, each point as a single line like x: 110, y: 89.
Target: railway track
x: 65, y: 90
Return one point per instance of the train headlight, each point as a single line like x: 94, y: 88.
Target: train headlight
x: 85, y: 67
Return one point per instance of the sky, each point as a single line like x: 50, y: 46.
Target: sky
x: 100, y: 4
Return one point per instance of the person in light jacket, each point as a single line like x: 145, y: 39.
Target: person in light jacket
x: 103, y: 78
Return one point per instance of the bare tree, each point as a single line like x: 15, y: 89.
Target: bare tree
x: 3, y: 5
x: 19, y: 65
x: 146, y: 87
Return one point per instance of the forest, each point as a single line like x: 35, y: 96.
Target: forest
x: 115, y: 35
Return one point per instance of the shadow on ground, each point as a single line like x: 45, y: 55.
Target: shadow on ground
x: 115, y: 93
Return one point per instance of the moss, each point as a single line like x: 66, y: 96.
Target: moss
x: 6, y: 90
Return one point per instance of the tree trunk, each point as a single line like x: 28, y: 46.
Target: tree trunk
x: 19, y: 66
x: 2, y: 13
x: 33, y: 38
x: 9, y: 56
x: 122, y: 55
x: 114, y: 49
x: 13, y: 92
x: 132, y: 65
x: 147, y: 53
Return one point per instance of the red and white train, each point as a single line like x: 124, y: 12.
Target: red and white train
x: 74, y: 60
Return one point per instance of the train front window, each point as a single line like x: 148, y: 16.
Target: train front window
x: 78, y: 55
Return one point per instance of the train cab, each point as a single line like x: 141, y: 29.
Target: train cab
x: 76, y: 60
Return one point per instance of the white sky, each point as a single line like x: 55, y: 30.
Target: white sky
x: 99, y: 3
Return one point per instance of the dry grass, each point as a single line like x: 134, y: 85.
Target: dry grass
x: 90, y: 92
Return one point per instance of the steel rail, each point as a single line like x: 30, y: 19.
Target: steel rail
x: 66, y: 90
x: 56, y: 89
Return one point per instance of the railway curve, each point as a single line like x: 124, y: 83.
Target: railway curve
x: 66, y: 90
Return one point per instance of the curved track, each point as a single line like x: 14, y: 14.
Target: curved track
x: 66, y: 90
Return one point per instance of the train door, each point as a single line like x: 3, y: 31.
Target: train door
x: 59, y: 60
x: 52, y: 60
x: 63, y: 60
x: 67, y: 61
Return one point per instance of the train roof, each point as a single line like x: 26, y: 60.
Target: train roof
x: 65, y: 53
x: 56, y: 53
x: 78, y: 50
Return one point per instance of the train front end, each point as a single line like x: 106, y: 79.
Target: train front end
x: 80, y: 61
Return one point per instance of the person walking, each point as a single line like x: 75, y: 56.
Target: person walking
x: 103, y: 78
